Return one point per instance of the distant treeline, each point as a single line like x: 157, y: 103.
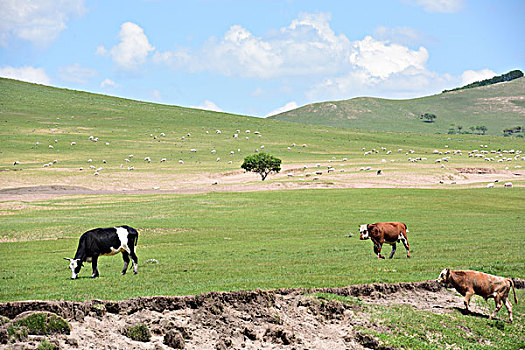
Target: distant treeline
x: 515, y: 74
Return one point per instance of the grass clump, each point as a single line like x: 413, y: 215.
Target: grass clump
x: 45, y: 345
x: 139, y: 332
x: 42, y: 323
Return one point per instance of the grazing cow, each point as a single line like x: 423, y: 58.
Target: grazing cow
x: 105, y: 241
x: 386, y: 232
x: 468, y: 283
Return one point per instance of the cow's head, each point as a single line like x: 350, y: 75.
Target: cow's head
x: 75, y: 265
x: 444, y: 276
x: 363, y: 230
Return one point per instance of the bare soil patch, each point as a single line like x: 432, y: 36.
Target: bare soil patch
x: 277, y: 319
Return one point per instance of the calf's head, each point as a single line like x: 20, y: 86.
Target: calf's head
x: 444, y: 276
x: 363, y: 230
x: 75, y: 265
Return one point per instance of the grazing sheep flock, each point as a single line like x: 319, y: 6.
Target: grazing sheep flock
x: 370, y: 160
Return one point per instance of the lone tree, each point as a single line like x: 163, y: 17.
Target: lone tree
x: 428, y: 117
x: 262, y: 163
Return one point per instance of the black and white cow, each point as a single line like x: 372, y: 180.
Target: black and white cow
x: 105, y: 241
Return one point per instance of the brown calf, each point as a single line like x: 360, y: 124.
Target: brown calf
x: 468, y: 283
x: 386, y: 232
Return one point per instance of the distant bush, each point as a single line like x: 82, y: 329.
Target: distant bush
x: 515, y: 74
x: 428, y: 117
x: 515, y: 131
x: 138, y: 332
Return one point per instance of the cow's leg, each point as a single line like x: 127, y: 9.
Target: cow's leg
x: 508, y: 305
x: 468, y: 295
x: 499, y: 304
x: 125, y: 257
x: 135, y: 261
x: 393, y: 251
x: 94, y: 261
x: 407, y: 246
x: 377, y: 250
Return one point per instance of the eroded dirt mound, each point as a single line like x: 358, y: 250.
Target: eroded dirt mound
x: 286, y: 318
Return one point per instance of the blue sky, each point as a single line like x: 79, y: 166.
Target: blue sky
x: 259, y: 57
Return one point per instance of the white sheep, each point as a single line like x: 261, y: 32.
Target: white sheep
x: 490, y: 185
x: 507, y: 185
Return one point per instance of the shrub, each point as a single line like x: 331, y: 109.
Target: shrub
x: 42, y: 323
x: 45, y: 345
x: 138, y: 332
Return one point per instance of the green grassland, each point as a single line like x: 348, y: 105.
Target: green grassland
x: 228, y: 240
x: 497, y: 107
x: 269, y: 239
x: 404, y: 327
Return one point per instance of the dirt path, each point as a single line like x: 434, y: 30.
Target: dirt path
x: 278, y: 319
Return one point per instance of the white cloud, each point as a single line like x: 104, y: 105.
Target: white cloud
x: 471, y: 76
x: 443, y: 6
x: 29, y: 74
x: 76, y: 73
x: 37, y: 21
x: 307, y: 46
x: 381, y: 59
x: 209, y: 106
x: 107, y: 83
x: 309, y: 51
x: 133, y: 48
x: 287, y: 107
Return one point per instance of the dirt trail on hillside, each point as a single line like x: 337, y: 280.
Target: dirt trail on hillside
x: 278, y: 319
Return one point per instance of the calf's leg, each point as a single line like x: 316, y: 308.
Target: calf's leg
x: 468, y: 295
x: 377, y: 250
x: 135, y: 261
x: 508, y: 305
x: 499, y: 304
x: 125, y: 257
x: 407, y: 246
x: 94, y: 261
x: 393, y: 251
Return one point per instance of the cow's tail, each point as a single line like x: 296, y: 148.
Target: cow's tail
x: 513, y: 291
x: 406, y: 229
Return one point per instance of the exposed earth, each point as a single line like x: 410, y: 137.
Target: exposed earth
x: 278, y: 319
x: 15, y: 189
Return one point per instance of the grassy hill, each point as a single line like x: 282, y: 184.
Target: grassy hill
x: 497, y: 107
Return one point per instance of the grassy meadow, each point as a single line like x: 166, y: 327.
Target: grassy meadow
x: 269, y: 239
x: 231, y: 240
x: 497, y: 107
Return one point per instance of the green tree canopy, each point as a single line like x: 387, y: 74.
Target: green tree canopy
x: 262, y: 163
x: 428, y: 117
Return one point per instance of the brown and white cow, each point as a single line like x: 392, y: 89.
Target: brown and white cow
x: 468, y: 283
x: 386, y: 232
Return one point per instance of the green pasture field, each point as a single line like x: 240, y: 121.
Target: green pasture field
x: 405, y: 327
x: 224, y: 241
x: 497, y: 107
x: 272, y: 239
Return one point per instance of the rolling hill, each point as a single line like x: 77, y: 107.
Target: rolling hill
x: 498, y: 107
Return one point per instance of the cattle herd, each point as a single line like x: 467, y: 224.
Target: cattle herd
x: 123, y: 239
